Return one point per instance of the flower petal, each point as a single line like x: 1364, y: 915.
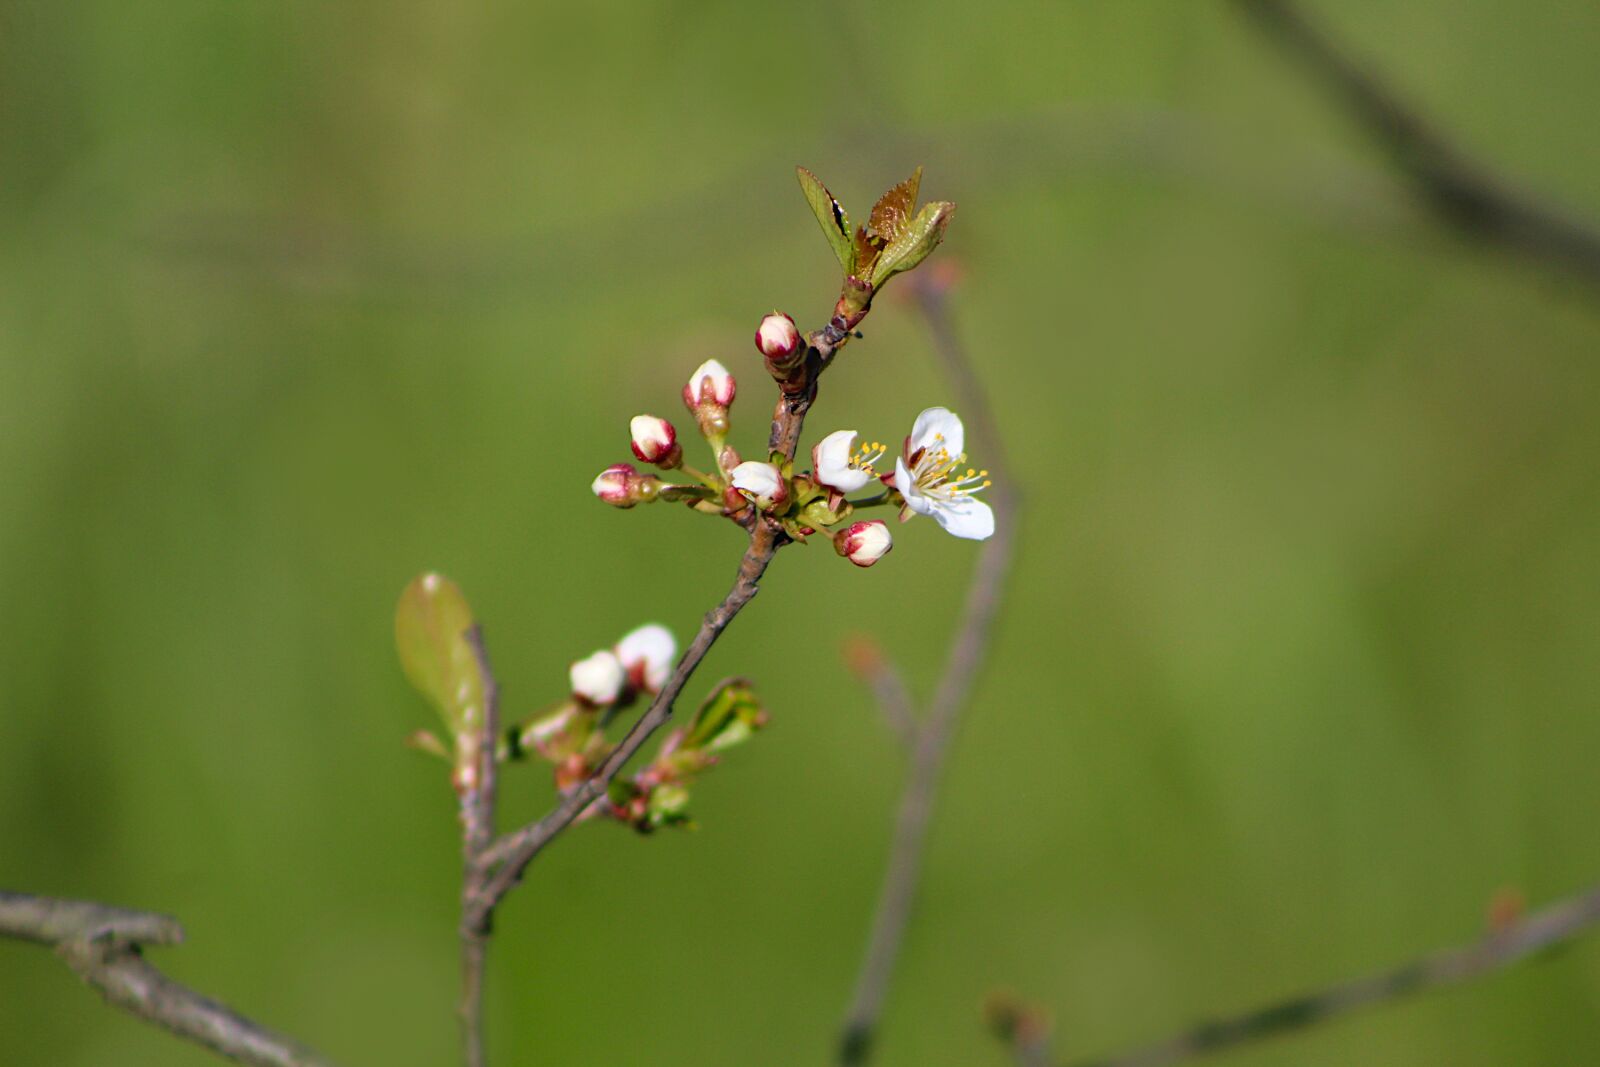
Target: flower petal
x: 832, y: 459
x: 938, y: 428
x: 966, y: 517
x: 916, y: 499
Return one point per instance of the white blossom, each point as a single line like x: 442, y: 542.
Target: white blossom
x: 930, y: 477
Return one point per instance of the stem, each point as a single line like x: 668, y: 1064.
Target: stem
x: 931, y: 740
x: 477, y: 810
x: 103, y: 945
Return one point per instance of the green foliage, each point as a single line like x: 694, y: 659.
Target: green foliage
x: 432, y: 622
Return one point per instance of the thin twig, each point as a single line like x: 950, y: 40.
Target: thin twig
x: 103, y: 945
x: 967, y: 651
x: 1462, y: 192
x: 1552, y: 925
x: 477, y: 809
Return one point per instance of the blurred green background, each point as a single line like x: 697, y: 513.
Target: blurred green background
x: 1300, y: 661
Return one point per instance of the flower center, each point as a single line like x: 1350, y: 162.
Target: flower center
x: 866, y: 456
x: 935, y: 472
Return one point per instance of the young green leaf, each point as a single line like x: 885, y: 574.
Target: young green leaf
x: 914, y: 242
x: 730, y: 715
x: 830, y: 216
x: 431, y: 624
x: 894, y: 209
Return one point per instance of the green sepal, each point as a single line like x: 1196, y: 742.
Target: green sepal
x: 818, y: 515
x: 912, y: 245
x: 831, y: 217
x: 431, y: 626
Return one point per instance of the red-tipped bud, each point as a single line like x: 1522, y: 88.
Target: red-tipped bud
x: 622, y: 486
x: 778, y: 339
x: 864, y: 543
x: 760, y: 483
x: 708, y: 395
x: 655, y: 440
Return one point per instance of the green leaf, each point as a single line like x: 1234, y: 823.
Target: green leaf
x: 914, y: 242
x: 431, y: 624
x: 729, y: 716
x: 830, y: 216
x: 893, y: 210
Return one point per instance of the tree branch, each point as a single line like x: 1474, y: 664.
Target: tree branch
x: 1461, y: 192
x: 932, y: 739
x: 1552, y: 925
x: 103, y: 945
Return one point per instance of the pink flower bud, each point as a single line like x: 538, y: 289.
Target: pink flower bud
x: 621, y: 485
x: 655, y: 440
x: 760, y: 483
x: 598, y: 679
x: 778, y: 339
x: 710, y: 386
x: 864, y: 543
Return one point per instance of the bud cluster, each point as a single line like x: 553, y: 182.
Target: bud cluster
x: 573, y: 736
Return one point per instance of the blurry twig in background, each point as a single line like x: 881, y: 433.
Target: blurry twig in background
x: 930, y: 739
x: 1508, y: 944
x: 1460, y: 191
x: 103, y: 945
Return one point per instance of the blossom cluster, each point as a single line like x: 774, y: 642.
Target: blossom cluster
x: 928, y: 476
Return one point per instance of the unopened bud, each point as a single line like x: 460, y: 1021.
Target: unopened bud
x: 647, y: 655
x: 778, y: 339
x: 621, y: 485
x: 598, y: 679
x: 760, y: 483
x: 864, y: 543
x: 655, y: 440
x: 708, y: 395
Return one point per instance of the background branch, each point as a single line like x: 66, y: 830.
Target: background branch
x: 967, y: 652
x: 1461, y: 192
x: 102, y: 945
x: 1552, y: 925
